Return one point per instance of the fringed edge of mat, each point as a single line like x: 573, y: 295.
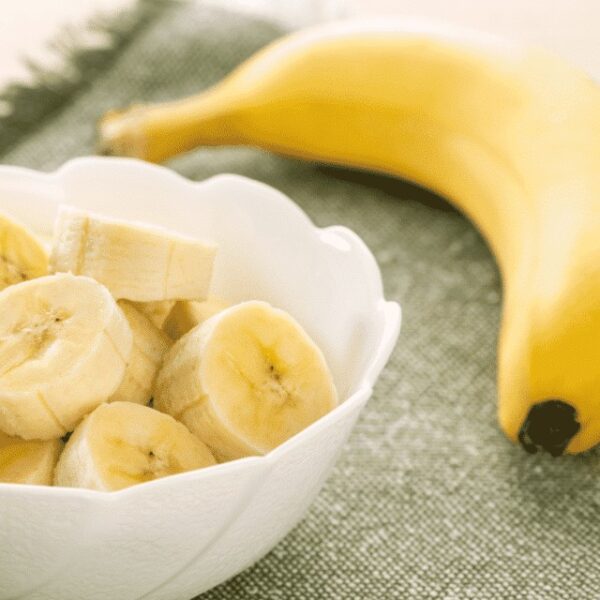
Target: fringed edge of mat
x: 25, y: 105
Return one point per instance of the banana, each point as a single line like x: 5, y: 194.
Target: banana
x: 123, y: 444
x: 157, y: 312
x: 134, y: 261
x: 245, y: 380
x: 510, y: 135
x: 187, y: 314
x: 22, y: 256
x: 149, y: 346
x: 29, y: 462
x: 64, y: 345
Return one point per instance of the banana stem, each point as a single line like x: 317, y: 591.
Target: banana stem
x: 160, y: 131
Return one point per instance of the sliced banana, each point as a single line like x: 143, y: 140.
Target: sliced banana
x: 134, y: 261
x: 149, y: 346
x: 122, y: 444
x: 187, y: 314
x: 64, y: 345
x: 245, y: 380
x: 22, y: 256
x: 157, y: 312
x: 30, y: 462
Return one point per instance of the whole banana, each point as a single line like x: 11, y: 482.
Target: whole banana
x: 508, y: 134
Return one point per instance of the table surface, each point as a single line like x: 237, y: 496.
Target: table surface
x: 568, y: 27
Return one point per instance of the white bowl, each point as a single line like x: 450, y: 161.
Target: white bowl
x: 176, y: 537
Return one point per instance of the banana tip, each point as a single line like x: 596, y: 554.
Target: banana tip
x: 550, y: 425
x: 118, y: 134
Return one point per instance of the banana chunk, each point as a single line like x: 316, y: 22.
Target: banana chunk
x: 134, y: 261
x: 30, y: 462
x: 22, y: 256
x: 149, y: 346
x: 245, y: 380
x: 123, y: 444
x: 187, y: 314
x: 157, y: 312
x: 64, y: 345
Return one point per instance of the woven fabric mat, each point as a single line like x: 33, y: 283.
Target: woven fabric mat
x: 429, y: 500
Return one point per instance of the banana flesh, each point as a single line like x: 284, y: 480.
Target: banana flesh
x: 149, y: 346
x: 76, y: 358
x: 30, y: 462
x: 157, y: 312
x: 22, y: 256
x: 135, y: 262
x: 123, y: 444
x: 245, y: 380
x: 186, y: 315
x: 64, y: 346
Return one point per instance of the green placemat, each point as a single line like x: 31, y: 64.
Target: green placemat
x: 429, y: 500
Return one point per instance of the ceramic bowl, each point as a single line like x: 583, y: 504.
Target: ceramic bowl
x: 176, y: 537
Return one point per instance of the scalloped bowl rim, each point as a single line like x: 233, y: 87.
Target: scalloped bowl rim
x: 361, y: 391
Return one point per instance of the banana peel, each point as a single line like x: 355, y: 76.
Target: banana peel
x: 510, y: 135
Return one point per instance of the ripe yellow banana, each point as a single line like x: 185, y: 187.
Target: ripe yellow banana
x: 510, y: 135
x: 123, y: 444
x: 64, y: 346
x: 134, y: 261
x: 245, y: 380
x: 29, y: 462
x: 22, y: 256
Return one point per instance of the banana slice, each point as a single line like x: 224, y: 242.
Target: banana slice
x: 134, y: 261
x: 245, y: 380
x: 187, y: 314
x: 28, y: 461
x: 22, y: 256
x: 122, y: 444
x: 64, y: 345
x: 149, y: 346
x: 157, y: 312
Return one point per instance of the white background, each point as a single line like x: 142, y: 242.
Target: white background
x: 570, y: 27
